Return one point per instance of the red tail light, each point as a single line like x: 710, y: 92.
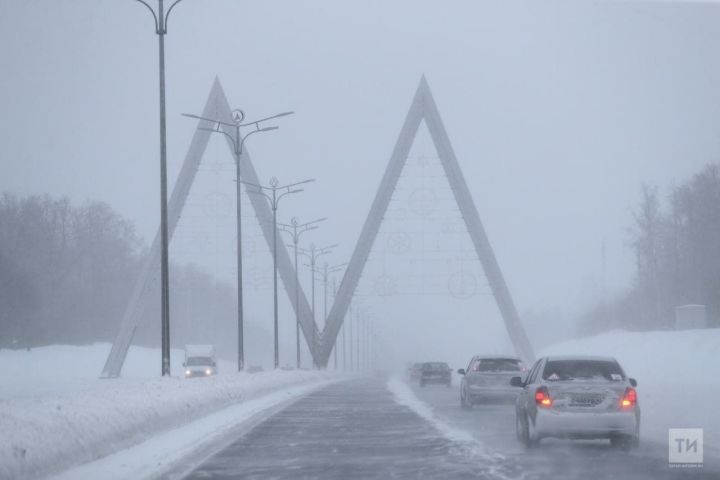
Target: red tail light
x: 629, y: 400
x: 542, y: 397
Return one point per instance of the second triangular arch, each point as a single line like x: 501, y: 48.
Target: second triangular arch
x: 423, y: 108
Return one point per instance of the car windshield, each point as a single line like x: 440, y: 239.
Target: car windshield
x: 558, y: 370
x: 198, y: 361
x: 435, y: 367
x: 498, y: 365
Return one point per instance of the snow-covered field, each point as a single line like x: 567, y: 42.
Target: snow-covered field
x: 677, y: 374
x: 63, y: 368
x: 55, y: 413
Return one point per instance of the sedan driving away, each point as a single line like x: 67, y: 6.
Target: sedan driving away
x: 435, y: 372
x: 578, y: 397
x: 488, y: 377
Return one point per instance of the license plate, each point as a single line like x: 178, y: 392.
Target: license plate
x: 585, y: 401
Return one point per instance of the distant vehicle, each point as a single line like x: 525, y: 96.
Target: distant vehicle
x: 488, y: 377
x: 200, y: 361
x: 413, y: 372
x: 435, y: 372
x: 578, y: 397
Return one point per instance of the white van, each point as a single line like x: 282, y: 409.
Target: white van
x: 200, y: 361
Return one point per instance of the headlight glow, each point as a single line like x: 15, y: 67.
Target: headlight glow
x: 187, y: 372
x: 208, y: 372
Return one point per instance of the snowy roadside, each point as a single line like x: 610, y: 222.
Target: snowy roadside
x: 176, y: 452
x: 492, y: 462
x: 49, y: 433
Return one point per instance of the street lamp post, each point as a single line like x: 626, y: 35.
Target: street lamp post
x: 357, y: 338
x: 296, y: 229
x: 274, y: 199
x: 238, y: 141
x: 344, y: 345
x: 313, y: 254
x: 327, y: 270
x: 350, y: 334
x: 335, y: 361
x: 161, y: 19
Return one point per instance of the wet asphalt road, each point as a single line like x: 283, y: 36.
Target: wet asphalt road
x: 356, y: 430
x: 493, y: 424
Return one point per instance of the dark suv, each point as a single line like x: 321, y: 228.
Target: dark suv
x: 435, y: 372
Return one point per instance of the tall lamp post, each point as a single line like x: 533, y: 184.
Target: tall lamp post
x: 313, y: 253
x: 296, y: 229
x: 350, y: 329
x: 238, y: 141
x: 161, y: 19
x: 335, y: 360
x: 274, y: 199
x: 327, y: 270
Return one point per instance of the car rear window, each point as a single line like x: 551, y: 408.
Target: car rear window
x: 436, y: 366
x: 498, y: 365
x: 582, y: 370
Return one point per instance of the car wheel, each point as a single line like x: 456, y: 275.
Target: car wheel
x: 526, y: 433
x: 625, y: 442
x: 533, y: 437
x: 464, y: 401
x: 519, y: 429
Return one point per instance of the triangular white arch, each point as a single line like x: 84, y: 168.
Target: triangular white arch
x: 146, y: 287
x: 423, y: 108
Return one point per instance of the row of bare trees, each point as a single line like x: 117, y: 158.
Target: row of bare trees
x: 677, y: 254
x: 66, y: 273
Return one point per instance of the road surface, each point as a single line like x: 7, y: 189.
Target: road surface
x: 357, y: 429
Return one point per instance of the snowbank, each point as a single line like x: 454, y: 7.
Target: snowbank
x: 64, y: 368
x: 176, y: 452
x: 48, y: 427
x: 676, y: 373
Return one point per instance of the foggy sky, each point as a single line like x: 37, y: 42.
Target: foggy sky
x: 557, y: 111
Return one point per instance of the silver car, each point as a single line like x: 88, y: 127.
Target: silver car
x: 577, y: 397
x: 488, y: 378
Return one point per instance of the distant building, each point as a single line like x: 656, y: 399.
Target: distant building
x: 688, y: 317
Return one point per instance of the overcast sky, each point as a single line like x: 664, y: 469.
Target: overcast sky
x: 557, y: 111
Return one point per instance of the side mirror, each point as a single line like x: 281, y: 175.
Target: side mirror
x: 633, y: 382
x: 184, y: 364
x: 461, y: 371
x: 516, y: 382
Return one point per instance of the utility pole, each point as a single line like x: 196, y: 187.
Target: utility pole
x: 237, y: 141
x: 274, y: 200
x: 296, y: 229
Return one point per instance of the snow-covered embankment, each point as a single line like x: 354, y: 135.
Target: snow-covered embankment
x: 48, y: 432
